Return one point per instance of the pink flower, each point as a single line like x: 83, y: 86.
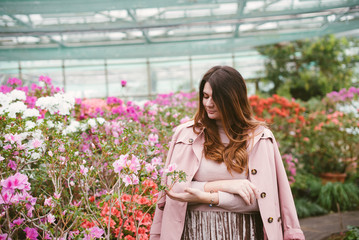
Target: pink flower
x: 149, y: 167
x: 1, y: 158
x: 134, y: 165
x: 12, y: 138
x: 29, y: 212
x: 18, y: 181
x: 51, y: 218
x: 49, y: 202
x: 18, y: 221
x: 123, y: 83
x: 62, y: 148
x: 93, y: 233
x: 72, y: 234
x: 83, y: 170
x: 153, y: 139
x: 4, y: 236
x: 172, y: 167
x: 14, y: 81
x: 37, y: 143
x: 57, y: 195
x: 96, y: 232
x: 45, y: 79
x: 31, y: 233
x: 156, y: 161
x: 119, y: 164
x: 130, y: 179
x: 185, y: 119
x: 47, y: 236
x: 8, y: 146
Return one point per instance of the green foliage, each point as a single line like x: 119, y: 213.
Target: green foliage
x: 307, y: 208
x: 309, y: 68
x: 306, y: 186
x: 306, y: 190
x: 346, y: 195
x: 352, y: 233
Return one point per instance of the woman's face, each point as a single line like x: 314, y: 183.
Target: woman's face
x: 208, y: 103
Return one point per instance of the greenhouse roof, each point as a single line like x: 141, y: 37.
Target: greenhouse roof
x: 117, y: 29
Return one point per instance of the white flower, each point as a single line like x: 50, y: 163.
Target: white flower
x: 83, y: 127
x: 92, y: 123
x: 50, y: 124
x: 35, y: 155
x: 60, y: 103
x: 73, y: 127
x: 100, y: 120
x: 14, y: 108
x: 4, y: 101
x: 29, y: 125
x: 31, y: 113
x: 37, y: 134
x: 17, y: 95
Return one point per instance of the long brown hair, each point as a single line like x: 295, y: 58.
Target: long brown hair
x: 229, y: 93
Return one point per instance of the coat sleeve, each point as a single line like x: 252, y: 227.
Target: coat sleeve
x: 228, y: 201
x: 155, y: 232
x: 291, y: 226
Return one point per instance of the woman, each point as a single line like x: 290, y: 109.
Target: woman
x: 236, y: 184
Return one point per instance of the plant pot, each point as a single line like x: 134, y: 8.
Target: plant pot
x: 333, y: 177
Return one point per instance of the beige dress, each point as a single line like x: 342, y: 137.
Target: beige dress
x: 231, y: 219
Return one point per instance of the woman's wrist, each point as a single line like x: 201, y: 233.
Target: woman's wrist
x: 211, y: 198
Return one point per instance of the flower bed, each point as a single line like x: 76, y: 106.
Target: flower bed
x: 92, y: 168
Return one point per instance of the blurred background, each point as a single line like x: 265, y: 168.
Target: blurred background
x: 160, y: 46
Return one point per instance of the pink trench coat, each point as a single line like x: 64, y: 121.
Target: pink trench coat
x: 266, y: 171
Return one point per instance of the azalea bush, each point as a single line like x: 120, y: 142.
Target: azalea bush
x: 284, y: 117
x: 59, y: 172
x: 331, y: 134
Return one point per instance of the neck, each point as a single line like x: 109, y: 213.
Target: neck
x: 219, y: 123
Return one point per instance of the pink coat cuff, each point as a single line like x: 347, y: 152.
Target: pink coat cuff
x: 294, y: 234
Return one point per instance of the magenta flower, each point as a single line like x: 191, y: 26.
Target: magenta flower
x: 31, y: 233
x: 156, y: 161
x: 14, y: 81
x: 45, y: 79
x: 18, y: 221
x: 123, y: 83
x: 4, y: 236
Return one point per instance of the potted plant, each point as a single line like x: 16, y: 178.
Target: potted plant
x: 329, y: 143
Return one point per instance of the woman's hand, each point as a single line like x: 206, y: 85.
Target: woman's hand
x: 242, y: 187
x: 193, y: 195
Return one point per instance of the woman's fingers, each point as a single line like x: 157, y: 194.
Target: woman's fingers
x: 190, y: 195
x: 247, y: 191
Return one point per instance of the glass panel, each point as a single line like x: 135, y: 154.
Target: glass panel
x: 170, y: 76
x: 134, y: 74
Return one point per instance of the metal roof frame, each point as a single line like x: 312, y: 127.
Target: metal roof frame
x: 106, y: 29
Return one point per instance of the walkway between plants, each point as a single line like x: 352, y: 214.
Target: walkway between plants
x: 319, y: 228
